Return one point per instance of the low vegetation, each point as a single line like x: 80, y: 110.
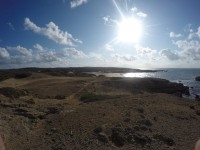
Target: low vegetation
x: 12, y: 92
x: 92, y: 97
x: 5, y: 75
x: 22, y: 75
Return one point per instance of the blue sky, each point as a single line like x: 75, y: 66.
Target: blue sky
x: 65, y: 33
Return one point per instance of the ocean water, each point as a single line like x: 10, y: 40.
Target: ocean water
x: 185, y: 76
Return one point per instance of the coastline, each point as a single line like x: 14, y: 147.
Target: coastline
x: 56, y: 112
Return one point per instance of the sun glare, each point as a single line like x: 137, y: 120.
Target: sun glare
x: 129, y: 30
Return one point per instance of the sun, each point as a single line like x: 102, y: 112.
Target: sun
x: 129, y: 30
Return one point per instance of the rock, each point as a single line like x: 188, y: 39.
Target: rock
x: 197, y: 78
x: 142, y: 140
x: 42, y: 116
x: 192, y: 107
x: 59, y: 97
x: 117, y: 137
x: 53, y: 110
x: 155, y: 118
x: 30, y: 101
x: 58, y: 145
x: 178, y: 94
x: 24, y: 113
x: 102, y: 137
x: 20, y: 110
x: 140, y: 110
x: 145, y: 122
x: 198, y: 112
x: 197, y: 97
x: 98, y: 130
x: 166, y: 140
x: 54, y: 130
x: 127, y: 119
x: 127, y: 114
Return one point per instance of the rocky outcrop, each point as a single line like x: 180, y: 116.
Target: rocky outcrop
x: 197, y: 78
x: 153, y: 85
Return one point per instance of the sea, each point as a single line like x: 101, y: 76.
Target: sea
x: 186, y: 76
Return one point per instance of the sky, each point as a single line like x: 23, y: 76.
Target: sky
x: 100, y: 33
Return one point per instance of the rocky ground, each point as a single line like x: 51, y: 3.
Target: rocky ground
x: 61, y: 113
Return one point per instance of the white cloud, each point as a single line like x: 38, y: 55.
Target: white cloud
x: 198, y: 32
x: 21, y: 50
x: 189, y: 49
x: 143, y: 50
x: 96, y: 56
x: 72, y: 52
x: 170, y: 55
x: 122, y: 58
x: 46, y: 55
x: 138, y: 12
x: 109, y: 47
x: 148, y: 54
x: 39, y: 48
x: 49, y: 56
x: 106, y: 19
x: 192, y: 35
x: 109, y: 21
x: 128, y: 58
x: 11, y: 26
x: 134, y: 9
x: 4, y: 53
x: 29, y: 25
x: 76, y: 3
x: 188, y: 28
x: 53, y: 32
x: 141, y: 14
x: 39, y: 57
x: 174, y: 35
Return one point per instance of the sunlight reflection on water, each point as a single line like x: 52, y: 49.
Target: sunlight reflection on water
x: 128, y: 75
x: 138, y: 75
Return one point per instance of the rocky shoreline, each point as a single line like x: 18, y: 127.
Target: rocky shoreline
x: 197, y: 78
x: 152, y: 85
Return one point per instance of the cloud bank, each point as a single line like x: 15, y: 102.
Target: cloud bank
x: 19, y: 56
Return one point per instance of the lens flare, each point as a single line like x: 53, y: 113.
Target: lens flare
x: 129, y: 30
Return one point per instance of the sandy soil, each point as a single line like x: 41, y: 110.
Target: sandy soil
x: 64, y: 113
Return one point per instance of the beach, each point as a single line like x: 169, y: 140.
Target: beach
x: 42, y: 111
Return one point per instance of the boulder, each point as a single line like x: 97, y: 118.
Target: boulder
x: 197, y: 78
x: 197, y: 97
